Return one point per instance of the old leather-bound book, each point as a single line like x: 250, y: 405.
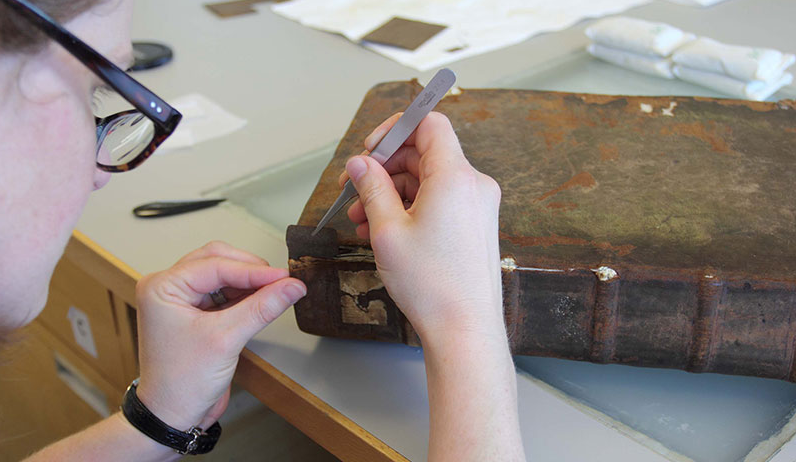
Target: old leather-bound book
x: 650, y: 231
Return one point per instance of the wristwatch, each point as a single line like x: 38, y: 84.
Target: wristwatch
x: 194, y: 441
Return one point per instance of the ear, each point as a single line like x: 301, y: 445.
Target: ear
x: 40, y: 80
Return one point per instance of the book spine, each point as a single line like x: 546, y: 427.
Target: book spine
x: 648, y: 317
x: 654, y: 318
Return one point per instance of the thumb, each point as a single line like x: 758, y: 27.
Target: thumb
x: 376, y: 190
x: 255, y: 312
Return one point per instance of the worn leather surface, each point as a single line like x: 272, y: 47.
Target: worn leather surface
x: 670, y: 182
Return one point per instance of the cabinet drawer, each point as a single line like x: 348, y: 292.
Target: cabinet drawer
x: 47, y: 393
x: 80, y: 312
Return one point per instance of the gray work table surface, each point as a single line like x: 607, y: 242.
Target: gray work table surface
x: 299, y: 88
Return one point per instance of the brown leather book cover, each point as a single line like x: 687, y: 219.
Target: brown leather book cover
x: 650, y: 231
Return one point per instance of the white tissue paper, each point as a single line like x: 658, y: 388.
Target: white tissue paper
x: 638, y: 36
x: 660, y: 67
x: 740, y: 62
x: 202, y: 120
x: 756, y: 90
x: 472, y: 26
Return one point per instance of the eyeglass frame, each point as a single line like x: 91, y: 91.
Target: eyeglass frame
x: 164, y: 117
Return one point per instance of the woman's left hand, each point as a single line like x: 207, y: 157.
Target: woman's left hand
x: 188, y: 346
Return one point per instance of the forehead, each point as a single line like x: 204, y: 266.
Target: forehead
x: 106, y: 28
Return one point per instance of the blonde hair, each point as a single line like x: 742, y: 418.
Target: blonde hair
x: 19, y: 35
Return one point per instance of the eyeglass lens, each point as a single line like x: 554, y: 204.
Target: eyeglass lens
x: 124, y: 138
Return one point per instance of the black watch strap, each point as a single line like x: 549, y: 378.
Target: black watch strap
x: 194, y: 441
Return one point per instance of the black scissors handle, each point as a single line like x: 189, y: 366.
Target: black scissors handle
x: 166, y: 208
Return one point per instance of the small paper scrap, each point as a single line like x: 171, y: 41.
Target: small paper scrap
x: 202, y: 120
x: 403, y: 33
x: 233, y: 8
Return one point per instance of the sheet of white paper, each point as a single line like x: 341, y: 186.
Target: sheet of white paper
x: 202, y: 120
x: 473, y: 26
x: 697, y: 2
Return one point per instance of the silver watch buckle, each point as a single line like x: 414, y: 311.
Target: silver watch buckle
x: 194, y: 443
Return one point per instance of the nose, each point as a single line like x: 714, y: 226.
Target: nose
x: 101, y: 178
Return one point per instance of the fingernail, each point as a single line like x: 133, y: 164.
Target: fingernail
x: 370, y: 141
x: 356, y: 167
x: 294, y: 292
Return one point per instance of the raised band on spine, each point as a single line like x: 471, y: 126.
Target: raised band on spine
x: 605, y: 319
x: 704, y: 324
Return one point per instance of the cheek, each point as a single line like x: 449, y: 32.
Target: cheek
x: 51, y: 176
x: 71, y: 160
x: 54, y: 157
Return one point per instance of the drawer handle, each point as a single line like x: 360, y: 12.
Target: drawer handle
x: 81, y: 329
x: 82, y: 387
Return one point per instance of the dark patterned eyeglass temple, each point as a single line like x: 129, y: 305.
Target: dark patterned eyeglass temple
x: 126, y: 139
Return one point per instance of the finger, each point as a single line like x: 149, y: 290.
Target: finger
x: 434, y: 118
x: 405, y: 184
x: 372, y: 140
x: 221, y: 249
x: 435, y: 135
x: 258, y: 310
x: 194, y: 279
x: 363, y: 230
x: 344, y: 176
x: 376, y: 190
x: 356, y: 213
x: 405, y: 159
x: 231, y: 295
x: 437, y: 145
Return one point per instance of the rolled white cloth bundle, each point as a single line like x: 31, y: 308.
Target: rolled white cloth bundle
x: 657, y: 66
x: 665, y: 51
x: 638, y: 36
x: 756, y: 90
x: 739, y: 62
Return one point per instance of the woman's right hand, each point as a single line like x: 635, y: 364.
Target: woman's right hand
x: 432, y: 220
x: 440, y: 261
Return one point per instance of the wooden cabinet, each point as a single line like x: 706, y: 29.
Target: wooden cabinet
x: 71, y: 366
x: 87, y: 318
x: 38, y: 402
x: 53, y: 385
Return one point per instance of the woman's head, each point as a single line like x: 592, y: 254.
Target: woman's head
x: 48, y: 142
